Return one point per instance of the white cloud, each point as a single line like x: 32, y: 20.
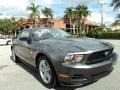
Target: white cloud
x: 13, y: 7
x: 46, y: 3
x: 96, y: 17
x: 89, y: 1
x: 17, y: 8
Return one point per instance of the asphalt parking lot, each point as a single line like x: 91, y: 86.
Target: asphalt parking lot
x: 21, y: 77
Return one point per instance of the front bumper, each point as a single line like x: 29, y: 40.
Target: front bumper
x: 78, y: 74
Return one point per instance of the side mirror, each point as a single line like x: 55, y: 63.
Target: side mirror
x: 14, y: 38
x: 29, y: 41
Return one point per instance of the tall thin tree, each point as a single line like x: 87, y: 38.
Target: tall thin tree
x: 69, y: 14
x: 48, y: 13
x: 86, y: 12
x: 35, y: 13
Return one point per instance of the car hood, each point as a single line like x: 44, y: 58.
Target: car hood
x: 9, y: 39
x: 71, y: 45
x: 5, y: 39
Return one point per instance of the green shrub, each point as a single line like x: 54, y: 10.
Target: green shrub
x: 117, y: 30
x: 105, y: 35
x: 109, y: 35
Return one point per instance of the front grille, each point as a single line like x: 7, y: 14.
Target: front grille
x: 98, y: 57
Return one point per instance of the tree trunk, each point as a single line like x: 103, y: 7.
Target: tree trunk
x: 47, y: 24
x: 85, y: 18
x: 15, y: 34
x: 39, y: 20
x: 34, y: 22
x: 70, y: 25
x: 79, y: 26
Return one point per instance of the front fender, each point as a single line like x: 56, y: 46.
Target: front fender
x: 55, y: 56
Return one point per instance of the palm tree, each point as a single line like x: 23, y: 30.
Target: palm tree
x: 69, y: 14
x: 81, y: 12
x: 86, y: 12
x: 35, y: 13
x: 117, y: 20
x: 77, y: 14
x: 116, y: 4
x: 47, y: 13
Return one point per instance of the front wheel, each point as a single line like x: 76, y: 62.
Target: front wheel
x: 14, y: 57
x: 46, y: 73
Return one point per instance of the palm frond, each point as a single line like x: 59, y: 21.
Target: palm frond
x: 116, y: 4
x: 47, y: 12
x: 34, y: 10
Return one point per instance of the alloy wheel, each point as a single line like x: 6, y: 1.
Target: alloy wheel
x: 45, y: 71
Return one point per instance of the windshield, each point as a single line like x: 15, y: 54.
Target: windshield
x: 49, y: 33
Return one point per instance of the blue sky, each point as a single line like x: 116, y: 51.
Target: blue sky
x: 17, y: 8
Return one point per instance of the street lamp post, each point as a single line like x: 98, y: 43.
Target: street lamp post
x: 102, y: 2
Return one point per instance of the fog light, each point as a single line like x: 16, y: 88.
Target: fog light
x: 63, y: 75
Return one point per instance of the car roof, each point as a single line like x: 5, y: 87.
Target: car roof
x: 40, y: 28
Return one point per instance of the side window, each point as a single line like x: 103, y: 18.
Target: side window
x: 24, y: 35
x: 2, y: 37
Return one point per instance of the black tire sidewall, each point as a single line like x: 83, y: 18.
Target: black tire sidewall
x: 16, y: 59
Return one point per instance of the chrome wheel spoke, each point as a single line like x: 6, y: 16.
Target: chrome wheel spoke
x: 42, y: 69
x: 48, y: 76
x: 45, y: 71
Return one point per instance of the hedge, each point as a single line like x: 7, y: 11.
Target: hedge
x: 105, y: 35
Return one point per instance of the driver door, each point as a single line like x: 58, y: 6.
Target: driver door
x: 24, y: 46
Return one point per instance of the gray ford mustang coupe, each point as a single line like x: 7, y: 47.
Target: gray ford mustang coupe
x: 61, y: 58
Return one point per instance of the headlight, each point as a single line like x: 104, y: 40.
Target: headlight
x: 73, y: 58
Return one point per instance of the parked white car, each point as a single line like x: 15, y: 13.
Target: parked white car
x: 4, y: 40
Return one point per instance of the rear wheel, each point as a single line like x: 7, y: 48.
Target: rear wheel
x: 46, y: 72
x: 14, y: 57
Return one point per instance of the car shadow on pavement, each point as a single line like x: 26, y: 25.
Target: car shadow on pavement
x: 27, y: 68
x: 33, y: 72
x: 72, y: 87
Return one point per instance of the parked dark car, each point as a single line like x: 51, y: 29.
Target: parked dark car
x: 61, y: 58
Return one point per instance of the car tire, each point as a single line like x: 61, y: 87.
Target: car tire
x: 7, y: 42
x: 46, y: 73
x: 14, y: 57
